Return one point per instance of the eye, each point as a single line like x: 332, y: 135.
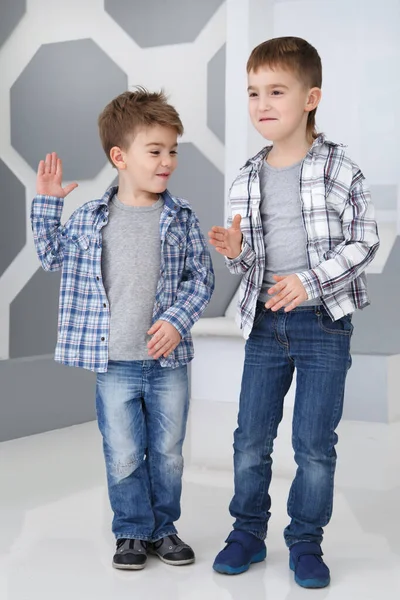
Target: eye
x: 252, y: 95
x: 277, y: 93
x: 155, y: 152
x: 174, y: 153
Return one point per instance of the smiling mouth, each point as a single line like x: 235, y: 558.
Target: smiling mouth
x: 267, y: 119
x: 165, y: 175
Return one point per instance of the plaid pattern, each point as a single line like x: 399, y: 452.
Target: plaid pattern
x: 342, y: 235
x: 184, y: 288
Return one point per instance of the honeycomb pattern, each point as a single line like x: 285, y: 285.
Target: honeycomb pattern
x: 11, y: 12
x: 155, y: 23
x: 33, y: 316
x: 45, y: 113
x: 12, y: 223
x: 216, y: 93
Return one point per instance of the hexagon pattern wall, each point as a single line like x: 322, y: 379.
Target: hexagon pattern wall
x: 12, y: 223
x: 11, y: 12
x: 52, y: 103
x: 155, y: 23
x: 61, y: 111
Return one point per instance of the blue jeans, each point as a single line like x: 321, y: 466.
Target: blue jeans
x: 142, y: 413
x: 307, y: 340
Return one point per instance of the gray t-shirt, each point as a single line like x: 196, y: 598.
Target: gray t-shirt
x: 130, y: 264
x: 284, y: 233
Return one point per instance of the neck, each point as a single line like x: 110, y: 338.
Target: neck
x: 290, y: 150
x: 130, y: 195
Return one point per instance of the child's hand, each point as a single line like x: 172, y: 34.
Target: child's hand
x: 49, y: 178
x: 289, y: 292
x: 164, y: 341
x: 227, y: 241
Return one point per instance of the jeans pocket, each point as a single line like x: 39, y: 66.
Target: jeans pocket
x: 342, y: 326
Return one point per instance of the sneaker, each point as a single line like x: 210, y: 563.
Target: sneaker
x: 310, y: 571
x: 242, y: 550
x: 172, y: 551
x: 130, y: 554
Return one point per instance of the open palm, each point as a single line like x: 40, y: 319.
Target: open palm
x: 49, y: 178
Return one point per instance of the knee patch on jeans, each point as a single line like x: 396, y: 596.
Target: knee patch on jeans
x: 122, y: 469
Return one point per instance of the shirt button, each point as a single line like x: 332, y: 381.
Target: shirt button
x: 102, y: 339
x: 105, y: 305
x: 98, y: 278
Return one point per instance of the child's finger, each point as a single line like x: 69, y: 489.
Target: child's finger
x: 47, y: 164
x: 53, y: 163
x: 40, y: 170
x: 69, y: 188
x: 154, y: 328
x: 285, y: 301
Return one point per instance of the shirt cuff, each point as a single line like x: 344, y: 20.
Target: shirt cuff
x: 244, y: 257
x: 311, y: 284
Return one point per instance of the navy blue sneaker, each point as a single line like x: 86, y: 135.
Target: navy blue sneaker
x: 310, y: 571
x: 241, y: 551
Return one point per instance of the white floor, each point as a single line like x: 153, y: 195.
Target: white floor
x: 55, y: 539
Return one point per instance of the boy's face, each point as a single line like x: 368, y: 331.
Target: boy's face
x: 150, y: 159
x: 279, y: 103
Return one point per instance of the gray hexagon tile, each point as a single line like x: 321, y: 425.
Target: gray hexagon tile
x: 172, y: 22
x: 11, y: 12
x: 197, y: 180
x: 55, y: 103
x: 33, y: 316
x: 13, y: 220
x: 216, y: 93
x: 376, y: 328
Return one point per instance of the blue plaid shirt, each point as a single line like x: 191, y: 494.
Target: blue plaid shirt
x: 184, y: 288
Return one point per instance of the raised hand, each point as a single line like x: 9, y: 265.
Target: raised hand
x: 227, y: 241
x: 49, y: 178
x: 289, y: 292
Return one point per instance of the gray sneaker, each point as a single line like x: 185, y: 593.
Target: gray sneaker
x: 130, y: 554
x: 172, y: 551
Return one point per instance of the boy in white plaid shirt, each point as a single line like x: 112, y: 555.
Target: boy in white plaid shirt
x: 302, y: 231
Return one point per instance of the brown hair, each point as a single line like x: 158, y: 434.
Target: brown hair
x: 294, y: 54
x: 127, y: 112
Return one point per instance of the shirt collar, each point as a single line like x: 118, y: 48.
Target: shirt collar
x: 260, y: 156
x: 172, y: 202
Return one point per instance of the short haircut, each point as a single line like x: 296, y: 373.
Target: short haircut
x: 293, y: 54
x: 130, y: 111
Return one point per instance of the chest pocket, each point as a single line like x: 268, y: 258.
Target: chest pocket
x: 74, y: 241
x: 174, y: 251
x: 173, y: 238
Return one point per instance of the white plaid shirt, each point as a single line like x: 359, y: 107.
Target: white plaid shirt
x: 342, y: 235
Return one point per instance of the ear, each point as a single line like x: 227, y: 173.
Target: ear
x: 118, y: 158
x: 314, y: 98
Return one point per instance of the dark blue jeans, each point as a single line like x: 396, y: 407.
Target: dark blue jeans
x: 142, y: 411
x: 307, y: 340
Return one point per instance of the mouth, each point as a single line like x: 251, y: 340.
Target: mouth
x: 267, y: 119
x: 163, y: 175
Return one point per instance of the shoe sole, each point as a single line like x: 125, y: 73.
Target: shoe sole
x: 176, y: 563
x: 227, y: 570
x: 128, y: 567
x: 309, y: 583
x: 173, y: 563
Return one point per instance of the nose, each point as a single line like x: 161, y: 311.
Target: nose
x: 167, y: 161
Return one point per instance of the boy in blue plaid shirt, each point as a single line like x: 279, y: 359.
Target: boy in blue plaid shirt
x: 136, y: 276
x: 302, y: 231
